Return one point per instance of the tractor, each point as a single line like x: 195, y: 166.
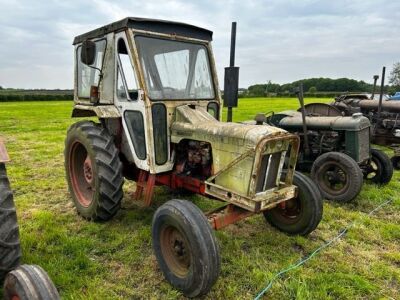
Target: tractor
x: 153, y: 87
x: 23, y: 282
x: 335, y: 149
x: 382, y: 112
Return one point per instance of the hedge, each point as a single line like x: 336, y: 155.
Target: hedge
x: 35, y: 97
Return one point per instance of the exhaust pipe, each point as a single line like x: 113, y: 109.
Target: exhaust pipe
x: 231, y: 82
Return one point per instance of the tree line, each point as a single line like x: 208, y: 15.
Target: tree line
x: 323, y: 86
x: 314, y: 86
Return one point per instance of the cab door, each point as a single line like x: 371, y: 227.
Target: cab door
x: 130, y: 101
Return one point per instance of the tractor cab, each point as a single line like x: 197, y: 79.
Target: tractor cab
x: 140, y: 70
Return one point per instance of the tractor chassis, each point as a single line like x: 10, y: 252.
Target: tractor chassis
x: 237, y: 206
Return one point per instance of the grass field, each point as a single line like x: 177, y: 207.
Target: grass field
x: 114, y: 260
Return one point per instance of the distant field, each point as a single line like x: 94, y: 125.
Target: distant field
x: 114, y: 260
x: 248, y: 107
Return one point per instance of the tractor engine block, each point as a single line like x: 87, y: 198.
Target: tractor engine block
x: 322, y: 141
x: 193, y: 158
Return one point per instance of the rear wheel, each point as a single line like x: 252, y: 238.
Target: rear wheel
x: 300, y: 215
x: 94, y: 171
x: 185, y: 247
x: 379, y: 169
x: 29, y: 282
x: 10, y: 251
x: 396, y: 162
x: 338, y: 176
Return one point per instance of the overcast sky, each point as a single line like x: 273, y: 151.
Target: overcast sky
x: 278, y: 40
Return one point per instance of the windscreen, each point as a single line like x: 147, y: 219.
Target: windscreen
x: 175, y: 70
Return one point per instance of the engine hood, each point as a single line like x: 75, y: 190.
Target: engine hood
x: 292, y: 120
x: 194, y: 122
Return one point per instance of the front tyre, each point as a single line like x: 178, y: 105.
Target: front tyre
x: 379, y: 169
x: 94, y: 171
x: 29, y: 282
x: 338, y: 176
x: 300, y: 215
x: 185, y: 247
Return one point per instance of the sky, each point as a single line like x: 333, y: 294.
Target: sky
x: 277, y: 40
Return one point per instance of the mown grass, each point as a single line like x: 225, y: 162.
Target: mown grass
x: 114, y: 260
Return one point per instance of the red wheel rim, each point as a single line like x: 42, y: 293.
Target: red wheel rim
x: 81, y: 174
x: 290, y: 210
x: 15, y: 297
x: 176, y: 250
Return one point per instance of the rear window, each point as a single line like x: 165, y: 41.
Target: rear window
x: 88, y: 76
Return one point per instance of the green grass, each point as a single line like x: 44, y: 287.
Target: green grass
x: 114, y: 260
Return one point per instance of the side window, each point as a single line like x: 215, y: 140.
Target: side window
x: 126, y: 74
x: 213, y: 109
x: 121, y: 91
x: 88, y: 76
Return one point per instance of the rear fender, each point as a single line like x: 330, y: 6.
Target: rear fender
x: 3, y: 153
x: 101, y: 111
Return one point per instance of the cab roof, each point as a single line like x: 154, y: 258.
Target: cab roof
x: 154, y: 25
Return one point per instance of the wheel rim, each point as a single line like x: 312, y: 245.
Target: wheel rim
x: 290, y: 210
x: 373, y: 169
x: 15, y: 297
x: 82, y: 179
x: 175, y: 250
x: 333, y: 178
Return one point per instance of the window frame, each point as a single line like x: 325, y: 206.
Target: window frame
x: 209, y: 60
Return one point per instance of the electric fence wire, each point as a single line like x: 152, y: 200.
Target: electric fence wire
x: 315, y: 252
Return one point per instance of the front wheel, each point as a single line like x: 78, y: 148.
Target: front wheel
x: 300, y: 215
x: 29, y: 282
x: 338, y: 176
x: 185, y: 247
x: 379, y: 169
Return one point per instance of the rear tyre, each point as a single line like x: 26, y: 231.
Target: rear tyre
x: 94, y: 171
x: 396, y: 162
x: 300, y: 215
x: 338, y: 176
x: 10, y: 250
x: 380, y: 169
x: 29, y: 282
x: 185, y: 247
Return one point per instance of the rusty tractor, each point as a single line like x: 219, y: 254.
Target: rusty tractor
x: 382, y: 112
x: 153, y: 86
x: 23, y: 282
x: 335, y: 149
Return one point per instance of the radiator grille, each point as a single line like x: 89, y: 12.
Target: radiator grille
x: 364, y: 144
x: 270, y: 171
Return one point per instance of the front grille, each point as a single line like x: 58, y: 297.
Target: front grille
x: 270, y: 171
x: 364, y: 144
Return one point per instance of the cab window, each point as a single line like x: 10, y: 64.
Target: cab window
x: 89, y: 75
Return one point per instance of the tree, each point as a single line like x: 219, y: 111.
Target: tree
x: 394, y: 78
x: 312, y: 90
